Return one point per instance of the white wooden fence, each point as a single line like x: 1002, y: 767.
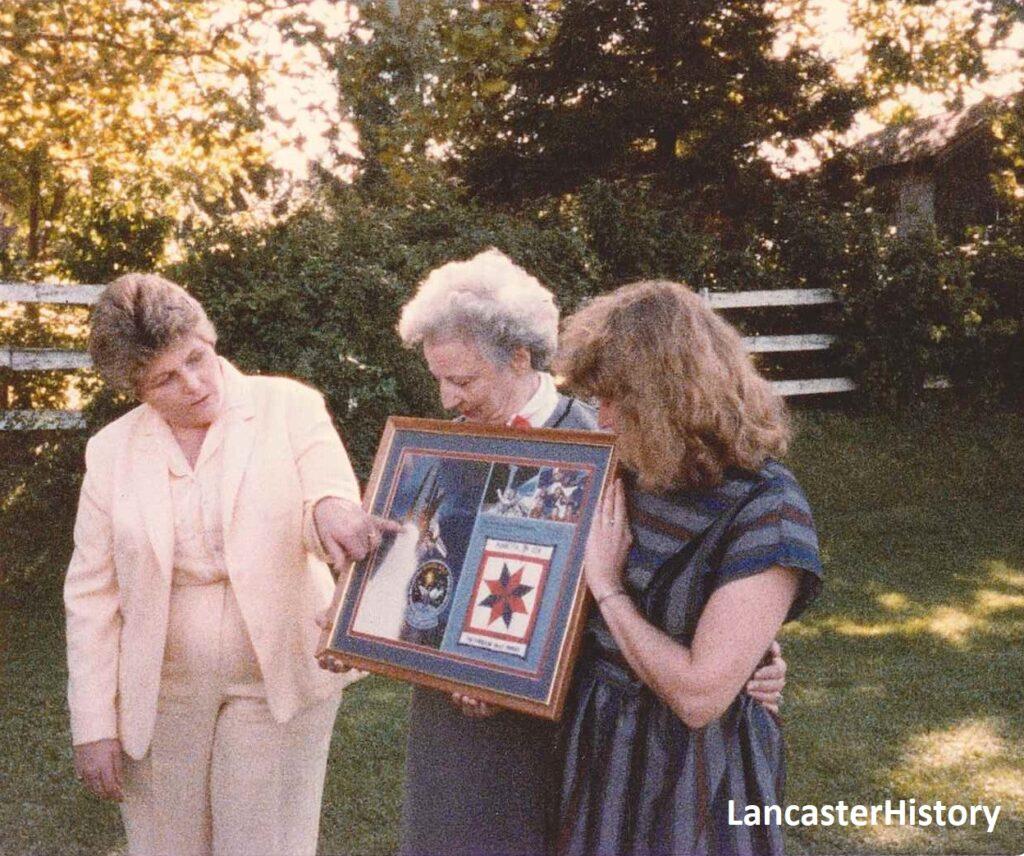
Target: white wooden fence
x: 776, y: 344
x: 50, y: 359
x: 43, y: 359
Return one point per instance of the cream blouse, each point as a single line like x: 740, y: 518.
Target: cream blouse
x: 196, y: 506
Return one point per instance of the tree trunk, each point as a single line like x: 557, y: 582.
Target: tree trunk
x: 35, y: 203
x: 664, y: 147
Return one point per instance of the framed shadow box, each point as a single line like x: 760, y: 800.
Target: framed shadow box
x: 481, y: 592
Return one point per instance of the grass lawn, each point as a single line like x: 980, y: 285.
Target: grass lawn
x: 906, y: 678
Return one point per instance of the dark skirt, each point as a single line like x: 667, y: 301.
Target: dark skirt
x: 478, y: 787
x: 639, y: 782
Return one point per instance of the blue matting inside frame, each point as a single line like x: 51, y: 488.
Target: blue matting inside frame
x: 478, y: 586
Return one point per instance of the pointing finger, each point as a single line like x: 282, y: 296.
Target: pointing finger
x: 385, y: 525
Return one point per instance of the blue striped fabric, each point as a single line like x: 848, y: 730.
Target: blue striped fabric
x: 772, y: 527
x: 636, y: 779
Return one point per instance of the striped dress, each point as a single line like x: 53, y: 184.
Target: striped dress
x: 636, y: 780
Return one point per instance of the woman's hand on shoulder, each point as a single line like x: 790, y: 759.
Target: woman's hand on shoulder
x: 99, y: 766
x: 346, y: 531
x: 608, y: 543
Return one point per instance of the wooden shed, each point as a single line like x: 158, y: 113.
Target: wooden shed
x: 937, y: 170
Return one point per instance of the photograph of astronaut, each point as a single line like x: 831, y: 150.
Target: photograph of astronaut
x: 540, y: 493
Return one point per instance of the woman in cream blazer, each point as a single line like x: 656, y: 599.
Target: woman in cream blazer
x: 205, y: 520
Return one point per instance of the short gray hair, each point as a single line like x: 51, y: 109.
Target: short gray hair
x: 136, y: 317
x: 490, y: 299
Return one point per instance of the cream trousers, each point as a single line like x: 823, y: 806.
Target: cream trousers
x: 221, y: 776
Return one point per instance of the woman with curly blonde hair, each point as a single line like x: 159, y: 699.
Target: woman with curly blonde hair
x: 696, y: 558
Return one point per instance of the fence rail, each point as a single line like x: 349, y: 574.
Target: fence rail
x: 776, y: 297
x: 54, y: 359
x: 43, y: 359
x: 41, y: 420
x: 49, y: 292
x: 780, y: 344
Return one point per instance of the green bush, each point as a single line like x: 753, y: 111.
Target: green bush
x: 318, y: 297
x: 801, y: 239
x: 996, y: 257
x: 910, y: 318
x: 40, y: 478
x: 39, y: 485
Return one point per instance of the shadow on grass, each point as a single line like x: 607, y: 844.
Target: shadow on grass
x: 907, y: 676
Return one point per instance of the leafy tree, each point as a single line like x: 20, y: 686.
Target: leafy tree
x: 135, y: 110
x: 528, y: 99
x: 420, y: 79
x: 687, y: 92
x: 1008, y: 129
x: 941, y: 49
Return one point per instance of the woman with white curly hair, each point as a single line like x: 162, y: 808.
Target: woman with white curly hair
x: 479, y: 779
x: 488, y: 330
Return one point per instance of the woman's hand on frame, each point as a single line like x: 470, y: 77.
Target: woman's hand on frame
x: 346, y: 531
x: 347, y: 534
x: 608, y: 543
x: 327, y: 660
x: 474, y: 707
x: 99, y: 766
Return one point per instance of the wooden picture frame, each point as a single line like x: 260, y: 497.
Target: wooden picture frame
x: 482, y: 591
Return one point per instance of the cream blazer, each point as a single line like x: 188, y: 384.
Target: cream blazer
x: 281, y: 455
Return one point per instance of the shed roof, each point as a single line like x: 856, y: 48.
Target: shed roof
x: 930, y: 137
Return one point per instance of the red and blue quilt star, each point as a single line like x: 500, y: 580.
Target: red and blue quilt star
x: 506, y: 597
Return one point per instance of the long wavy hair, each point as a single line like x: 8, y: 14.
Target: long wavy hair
x: 690, y: 402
